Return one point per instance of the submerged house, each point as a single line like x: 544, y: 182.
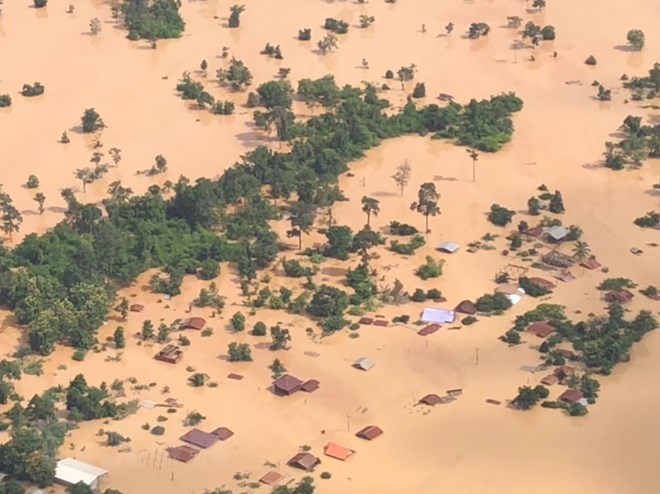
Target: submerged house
x: 70, y: 472
x: 438, y: 316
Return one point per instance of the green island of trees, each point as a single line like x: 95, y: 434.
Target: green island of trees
x: 62, y: 284
x: 598, y: 343
x: 154, y: 20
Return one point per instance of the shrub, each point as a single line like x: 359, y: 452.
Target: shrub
x: 239, y: 352
x: 40, y: 3
x: 512, y: 336
x: 636, y: 39
x: 531, y: 288
x: 209, y: 269
x: 32, y: 182
x: 591, y: 60
x: 238, y: 321
x: 336, y: 26
x: 548, y: 33
x: 469, y: 320
x: 91, y: 121
x: 419, y: 295
x: 35, y: 89
x: 491, y: 303
x: 616, y: 284
x: 419, y: 91
x: 434, y: 294
x: 430, y: 269
x: 115, y: 439
x: 651, y: 220
x: 5, y: 100
x: 193, y: 418
x: 500, y: 216
x: 389, y: 74
x: 407, y: 249
x: 158, y: 430
x: 304, y: 34
x: 259, y: 329
x: 325, y: 475
x: 78, y: 355
x: 158, y: 19
x: 402, y: 229
x: 293, y: 269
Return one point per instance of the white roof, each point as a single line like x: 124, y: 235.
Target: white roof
x: 450, y: 247
x: 438, y: 315
x: 364, y: 363
x: 70, y: 471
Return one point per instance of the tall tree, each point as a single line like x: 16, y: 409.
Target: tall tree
x: 427, y: 202
x: 370, y: 206
x: 302, y: 217
x: 11, y: 217
x: 40, y: 199
x: 402, y: 175
x: 115, y: 154
x: 474, y: 156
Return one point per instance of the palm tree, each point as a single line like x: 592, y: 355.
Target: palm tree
x: 581, y: 250
x: 474, y: 156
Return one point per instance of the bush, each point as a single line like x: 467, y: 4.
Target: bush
x: 115, y: 439
x: 35, y: 89
x: 389, y: 74
x: 434, y: 294
x: 293, y: 269
x: 193, y: 418
x: 78, y: 355
x: 636, y: 39
x: 40, y: 3
x: 336, y: 26
x: 333, y: 323
x: 419, y: 91
x: 5, y: 100
x: 419, y: 295
x: 304, y: 34
x: 325, y: 475
x: 512, y: 336
x: 402, y: 229
x: 651, y: 220
x: 613, y: 284
x: 91, y: 121
x: 32, y: 182
x: 259, y: 329
x: 238, y: 321
x: 469, y: 320
x: 158, y: 430
x: 531, y: 288
x: 430, y: 269
x: 209, y: 269
x: 548, y: 33
x: 491, y: 303
x: 239, y: 352
x: 500, y: 216
x: 407, y: 249
x: 591, y: 60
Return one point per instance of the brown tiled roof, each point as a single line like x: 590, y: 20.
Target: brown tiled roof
x: 271, y: 478
x: 466, y: 307
x: 310, y: 386
x: 287, y: 383
x: 304, y: 461
x: 430, y: 329
x: 195, y: 323
x: 550, y: 380
x: 369, y: 432
x: 431, y: 399
x: 182, y: 453
x: 223, y: 433
x: 543, y: 283
x: 540, y: 329
x: 571, y: 395
x: 199, y: 438
x: 338, y: 452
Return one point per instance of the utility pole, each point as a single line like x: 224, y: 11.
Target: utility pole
x: 476, y: 351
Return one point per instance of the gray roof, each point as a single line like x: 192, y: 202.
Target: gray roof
x: 364, y: 363
x: 557, y: 232
x: 449, y: 247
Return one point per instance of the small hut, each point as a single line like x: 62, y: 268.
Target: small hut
x: 431, y: 400
x: 136, y: 308
x: 448, y: 247
x: 286, y: 385
x: 364, y: 363
x: 304, y: 461
x: 271, y: 478
x: 619, y: 296
x: 170, y: 354
x: 466, y: 307
x: 369, y: 433
x: 571, y: 396
x: 199, y: 438
x: 223, y: 433
x: 541, y: 329
x: 590, y: 264
x: 310, y: 386
x: 196, y: 323
x: 182, y: 453
x: 337, y: 452
x: 558, y: 260
x: 543, y: 283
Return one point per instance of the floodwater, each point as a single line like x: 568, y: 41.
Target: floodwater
x: 467, y: 446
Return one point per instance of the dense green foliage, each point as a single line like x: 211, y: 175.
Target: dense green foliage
x: 493, y: 303
x: 61, y: 283
x: 35, y: 89
x: 499, y: 215
x: 430, y: 269
x: 531, y: 288
x: 407, y: 249
x: 5, y: 100
x: 402, y: 229
x: 639, y: 142
x: 528, y: 396
x: 650, y: 220
x: 158, y: 19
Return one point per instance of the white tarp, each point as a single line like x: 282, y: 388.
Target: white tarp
x: 438, y: 316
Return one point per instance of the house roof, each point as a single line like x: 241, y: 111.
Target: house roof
x: 590, y: 264
x: 70, y: 471
x: 557, y: 232
x: 182, y: 453
x: 136, y: 308
x: 369, y: 432
x: 571, y: 395
x: 271, y: 478
x: 310, y: 386
x: 466, y: 307
x: 431, y: 399
x: 287, y: 383
x: 549, y: 380
x: 364, y: 363
x: 438, y: 315
x: 429, y: 329
x: 542, y: 282
x: 366, y: 320
x: 304, y: 461
x: 619, y: 296
x: 199, y: 438
x: 449, y: 247
x: 540, y: 329
x: 223, y: 433
x: 338, y: 452
x: 195, y: 323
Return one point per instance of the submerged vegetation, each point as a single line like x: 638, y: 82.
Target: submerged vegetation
x: 159, y: 19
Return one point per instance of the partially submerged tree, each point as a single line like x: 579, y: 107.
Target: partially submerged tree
x: 427, y: 202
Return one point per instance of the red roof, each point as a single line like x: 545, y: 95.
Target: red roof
x: 431, y: 399
x: 310, y: 386
x: 199, y: 438
x: 223, y: 433
x: 541, y: 329
x: 549, y: 380
x: 543, y: 283
x: 271, y: 478
x: 430, y: 329
x: 304, y: 461
x: 338, y: 452
x: 369, y: 432
x: 571, y: 395
x: 195, y: 323
x: 287, y: 383
x: 466, y: 307
x: 182, y: 453
x: 136, y: 308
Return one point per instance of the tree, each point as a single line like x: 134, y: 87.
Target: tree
x: 370, y: 206
x: 538, y: 4
x: 302, y: 217
x: 499, y: 215
x: 581, y: 250
x: 95, y: 26
x: 239, y: 352
x: 419, y: 91
x: 235, y: 15
x: 40, y: 3
x: 80, y: 488
x: 40, y: 468
x: 119, y: 338
x: 147, y: 330
x: 328, y: 301
x: 11, y: 217
x: 12, y: 486
x: 40, y: 199
x: 556, y: 203
x: 276, y: 94
x: 203, y: 66
x: 279, y: 336
x: 402, y: 175
x: 532, y: 31
x: 534, y: 206
x: 427, y: 202
x: 91, y: 121
x: 406, y: 74
x: 323, y: 92
x: 474, y: 156
x: 636, y: 39
x: 328, y: 43
x: 237, y: 75
x: 449, y: 28
x: 277, y: 368
x: 115, y: 154
x: 340, y: 240
x: 5, y: 100
x: 259, y: 329
x: 41, y: 408
x: 238, y: 321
